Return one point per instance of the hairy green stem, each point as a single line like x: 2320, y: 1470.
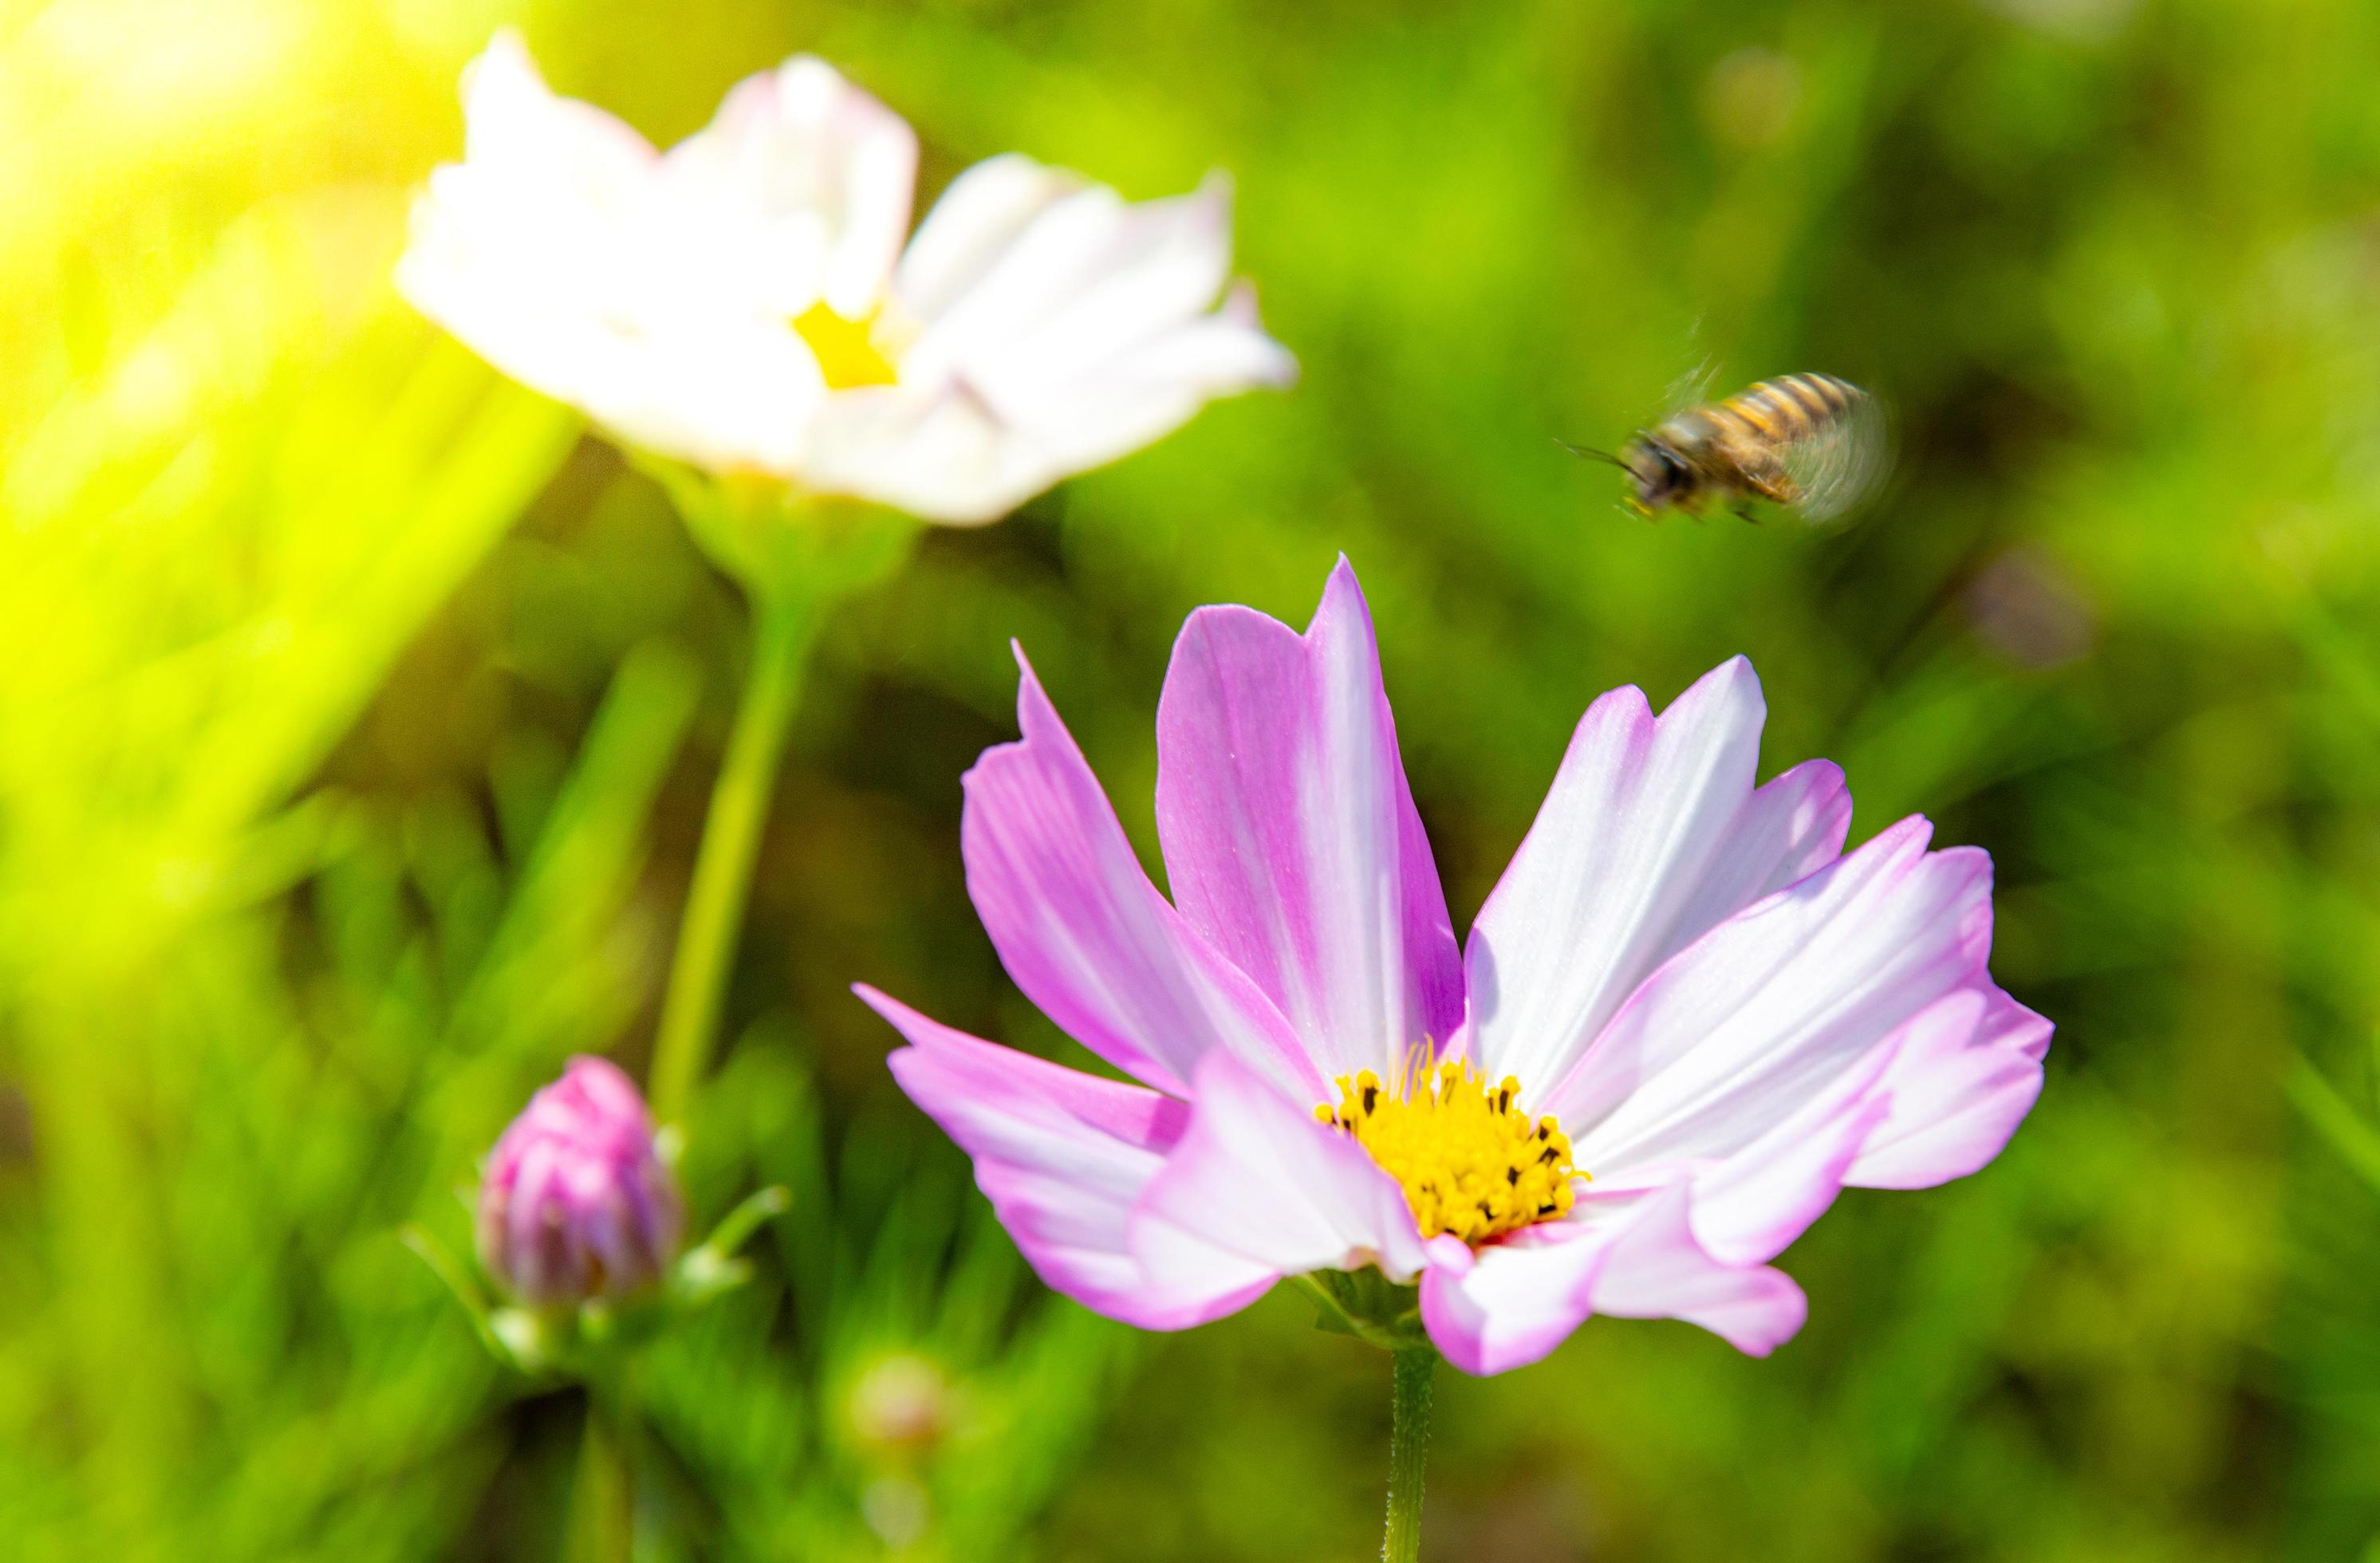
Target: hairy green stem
x: 731, y: 841
x: 1408, y: 1452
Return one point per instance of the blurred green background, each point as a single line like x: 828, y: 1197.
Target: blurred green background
x: 357, y: 712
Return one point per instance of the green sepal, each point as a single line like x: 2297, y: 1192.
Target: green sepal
x: 711, y: 1268
x: 780, y: 540
x: 1367, y: 1305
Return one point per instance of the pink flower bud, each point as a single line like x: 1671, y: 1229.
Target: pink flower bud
x: 575, y: 1202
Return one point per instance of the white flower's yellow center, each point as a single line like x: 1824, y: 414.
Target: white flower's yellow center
x: 850, y: 352
x: 1471, y: 1162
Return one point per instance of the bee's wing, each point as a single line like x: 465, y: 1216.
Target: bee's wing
x: 1841, y: 463
x: 1693, y: 387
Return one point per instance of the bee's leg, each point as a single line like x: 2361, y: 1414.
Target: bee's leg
x: 1770, y: 481
x: 1743, y: 513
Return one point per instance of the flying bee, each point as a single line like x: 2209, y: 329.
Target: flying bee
x: 1808, y: 441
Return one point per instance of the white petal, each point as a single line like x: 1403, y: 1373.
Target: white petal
x: 941, y: 454
x: 1651, y: 835
x: 944, y: 453
x: 1155, y: 266
x: 1966, y: 1075
x: 973, y: 224
x: 513, y: 123
x: 1141, y: 395
x: 1633, y: 1258
x: 1034, y: 290
x: 1657, y: 1270
x: 1749, y: 1206
x: 721, y: 395
x: 1769, y: 1010
x: 1062, y: 328
x: 1517, y: 1300
x: 548, y: 251
x: 1062, y: 1157
x: 1259, y: 1189
x: 801, y: 167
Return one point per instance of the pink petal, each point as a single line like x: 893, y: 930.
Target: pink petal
x: 1636, y: 1258
x: 1257, y: 1190
x: 1085, y: 935
x: 1964, y: 1078
x: 1766, y: 1011
x: 1754, y: 1204
x: 1937, y: 1099
x: 1657, y: 1269
x: 1062, y: 1156
x: 1289, y: 834
x: 1651, y: 835
x: 1517, y: 1300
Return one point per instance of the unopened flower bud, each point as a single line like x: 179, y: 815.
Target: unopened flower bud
x: 576, y: 1202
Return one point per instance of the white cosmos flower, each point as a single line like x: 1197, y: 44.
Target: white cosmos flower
x: 744, y: 301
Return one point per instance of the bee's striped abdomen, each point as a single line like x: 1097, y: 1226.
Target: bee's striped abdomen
x: 1793, y: 407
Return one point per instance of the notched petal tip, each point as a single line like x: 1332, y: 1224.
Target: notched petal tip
x: 807, y: 77
x: 507, y: 54
x: 1343, y: 579
x: 1659, y: 1269
x: 1036, y: 718
x: 1732, y: 684
x: 1278, y: 369
x: 1344, y: 610
x: 890, y: 1009
x: 1969, y: 1073
x: 1036, y: 714
x: 505, y: 94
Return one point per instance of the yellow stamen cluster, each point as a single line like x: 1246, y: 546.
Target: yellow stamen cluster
x: 847, y: 350
x: 1471, y: 1162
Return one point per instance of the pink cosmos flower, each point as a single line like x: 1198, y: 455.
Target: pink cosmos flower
x: 744, y: 301
x: 1685, y: 1020
x: 575, y: 1202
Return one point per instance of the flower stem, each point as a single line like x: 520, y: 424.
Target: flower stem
x: 1408, y: 1452
x: 731, y: 841
x: 602, y: 1527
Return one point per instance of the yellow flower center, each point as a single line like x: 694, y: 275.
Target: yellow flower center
x: 846, y: 349
x: 1471, y: 1162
